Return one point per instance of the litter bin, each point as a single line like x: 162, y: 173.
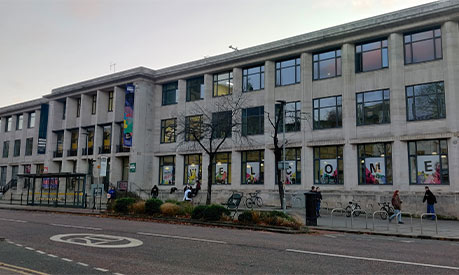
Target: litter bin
x: 310, y: 200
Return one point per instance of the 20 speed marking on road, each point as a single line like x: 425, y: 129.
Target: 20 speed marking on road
x: 97, y: 240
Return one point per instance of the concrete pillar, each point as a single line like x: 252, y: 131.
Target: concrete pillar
x: 270, y: 76
x: 179, y: 171
x: 236, y: 172
x: 307, y: 161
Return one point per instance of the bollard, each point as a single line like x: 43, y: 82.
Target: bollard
x: 374, y: 213
x: 436, y: 221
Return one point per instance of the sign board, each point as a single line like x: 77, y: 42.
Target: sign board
x: 98, y: 192
x: 97, y: 187
x: 132, y: 167
x: 103, y: 166
x: 122, y: 186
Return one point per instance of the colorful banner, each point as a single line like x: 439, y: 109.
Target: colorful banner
x: 328, y: 171
x: 128, y: 116
x: 221, y: 173
x: 50, y: 183
x: 193, y: 174
x: 252, y: 174
x: 428, y: 170
x: 168, y: 175
x: 375, y: 171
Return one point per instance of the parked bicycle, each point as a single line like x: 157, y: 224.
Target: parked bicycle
x: 253, y: 199
x: 353, y: 205
x: 387, y: 208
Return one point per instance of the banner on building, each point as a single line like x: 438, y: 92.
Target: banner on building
x: 168, y: 175
x: 428, y: 170
x: 221, y: 173
x: 43, y: 129
x: 253, y: 172
x: 193, y: 174
x: 328, y: 171
x: 375, y: 171
x: 128, y: 116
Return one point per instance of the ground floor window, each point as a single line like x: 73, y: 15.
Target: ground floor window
x: 253, y: 169
x: 428, y: 161
x: 221, y: 168
x: 193, y: 168
x: 167, y: 170
x: 375, y: 162
x: 328, y: 165
x: 292, y: 166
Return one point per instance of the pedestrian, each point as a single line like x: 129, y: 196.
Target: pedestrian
x: 431, y: 200
x: 154, y: 192
x: 187, y: 195
x: 319, y: 198
x: 397, y: 204
x: 313, y: 189
x: 195, y: 191
x: 173, y: 189
x: 111, y: 194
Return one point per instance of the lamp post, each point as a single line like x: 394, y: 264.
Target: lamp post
x: 282, y: 103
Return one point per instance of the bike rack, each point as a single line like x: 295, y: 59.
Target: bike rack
x: 361, y: 211
x: 436, y: 222
x: 411, y: 219
x: 380, y: 211
x: 337, y: 209
x: 325, y: 206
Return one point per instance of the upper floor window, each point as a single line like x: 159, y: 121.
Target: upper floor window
x: 6, y: 149
x: 423, y: 46
x: 168, y: 128
x: 373, y: 107
x: 19, y: 122
x: 110, y: 102
x: 425, y: 101
x: 195, y: 89
x: 327, y: 64
x: 292, y: 117
x: 78, y: 110
x: 9, y: 124
x: 327, y: 112
x: 288, y: 72
x: 17, y: 148
x: 29, y: 146
x: 253, y: 79
x: 222, y: 124
x: 94, y: 104
x: 223, y: 84
x: 253, y: 121
x: 64, y: 109
x: 170, y: 94
x: 193, y: 128
x: 371, y: 56
x: 31, y: 120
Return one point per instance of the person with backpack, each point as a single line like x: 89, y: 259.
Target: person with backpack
x: 155, y: 192
x: 431, y: 200
x: 397, y: 204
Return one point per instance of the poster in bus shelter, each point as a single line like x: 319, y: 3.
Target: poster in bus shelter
x: 168, y: 175
x: 252, y: 172
x: 50, y: 183
x: 428, y: 170
x: 328, y: 171
x: 221, y: 173
x: 193, y: 174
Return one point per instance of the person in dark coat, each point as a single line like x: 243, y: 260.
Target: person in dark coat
x: 431, y: 200
x: 319, y: 199
x: 154, y: 192
x: 397, y: 204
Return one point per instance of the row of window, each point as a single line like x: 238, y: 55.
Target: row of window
x: 428, y: 164
x: 93, y: 105
x: 369, y: 56
x: 17, y: 148
x: 19, y: 122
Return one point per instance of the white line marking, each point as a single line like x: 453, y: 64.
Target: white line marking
x: 83, y: 264
x: 330, y: 236
x: 101, y: 269
x: 29, y: 248
x: 52, y: 256
x: 118, y: 273
x: 10, y: 242
x: 40, y: 252
x: 407, y: 241
x: 76, y: 226
x: 20, y: 245
x: 67, y: 260
x: 180, y: 238
x: 371, y: 259
x: 12, y: 220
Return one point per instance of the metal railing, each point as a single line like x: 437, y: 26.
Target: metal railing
x: 86, y: 151
x: 72, y: 153
x: 360, y: 211
x: 335, y: 210
x: 122, y: 149
x: 406, y: 213
x: 58, y: 154
x: 105, y: 150
x: 436, y: 222
x: 381, y: 211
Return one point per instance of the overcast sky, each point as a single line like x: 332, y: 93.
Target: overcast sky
x: 46, y: 44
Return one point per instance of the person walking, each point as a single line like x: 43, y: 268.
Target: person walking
x: 154, y: 192
x: 397, y: 204
x: 319, y: 198
x: 431, y: 200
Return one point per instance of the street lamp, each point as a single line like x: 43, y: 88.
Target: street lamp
x: 282, y: 103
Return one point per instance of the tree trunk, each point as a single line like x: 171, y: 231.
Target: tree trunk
x: 278, y: 158
x: 209, y: 182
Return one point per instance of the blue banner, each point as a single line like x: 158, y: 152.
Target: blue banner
x: 128, y: 116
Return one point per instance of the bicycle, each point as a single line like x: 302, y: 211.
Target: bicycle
x: 253, y: 199
x: 387, y: 208
x: 353, y: 205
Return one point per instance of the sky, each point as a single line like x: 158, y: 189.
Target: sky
x: 46, y: 44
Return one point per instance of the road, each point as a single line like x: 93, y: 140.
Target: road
x: 35, y: 240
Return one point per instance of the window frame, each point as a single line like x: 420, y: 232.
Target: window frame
x: 189, y: 87
x: 298, y: 167
x: 387, y: 155
x: 31, y: 117
x: 218, y: 118
x: 9, y: 124
x: 163, y: 164
x: 94, y: 105
x: 19, y: 122
x: 410, y: 43
x: 440, y: 98
x: 228, y: 167
x: 216, y: 80
x: 439, y: 153
x: 339, y: 157
x: 335, y: 51
x: 386, y: 107
x: 167, y: 90
x: 279, y: 69
x: 187, y: 163
x: 29, y: 146
x: 164, y: 128
x: 339, y: 122
x: 296, y: 117
x: 17, y: 148
x: 246, y: 76
x: 78, y: 110
x: 6, y: 149
x: 359, y: 54
x: 260, y: 117
x: 244, y: 166
x: 110, y: 101
x: 188, y: 135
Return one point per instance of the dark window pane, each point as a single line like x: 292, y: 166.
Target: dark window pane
x: 385, y: 58
x: 438, y: 50
x: 423, y: 51
x: 327, y: 55
x: 327, y: 68
x: 421, y: 36
x: 408, y: 58
x: 288, y: 76
x: 371, y: 46
x: 329, y: 101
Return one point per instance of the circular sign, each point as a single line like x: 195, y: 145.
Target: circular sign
x: 97, y: 240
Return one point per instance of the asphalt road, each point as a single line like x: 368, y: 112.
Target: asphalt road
x: 102, y: 248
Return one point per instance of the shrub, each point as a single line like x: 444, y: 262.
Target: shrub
x: 120, y: 195
x: 214, y: 212
x: 138, y: 207
x: 122, y: 205
x: 198, y: 212
x: 186, y: 208
x: 246, y: 217
x: 173, y: 201
x: 152, y: 206
x: 169, y: 209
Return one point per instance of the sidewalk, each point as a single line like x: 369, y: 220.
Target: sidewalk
x: 67, y: 210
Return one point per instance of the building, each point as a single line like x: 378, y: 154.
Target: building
x: 371, y: 108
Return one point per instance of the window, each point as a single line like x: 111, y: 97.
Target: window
x: 9, y: 124
x: 327, y: 112
x: 6, y: 148
x: 253, y: 169
x: 19, y: 122
x: 168, y: 128
x: 14, y: 176
x: 371, y: 56
x: 423, y: 46
x: 428, y: 161
x: 170, y: 94
x: 167, y: 170
x: 17, y: 148
x: 0, y: 123
x: 3, y: 176
x: 78, y: 107
x: 94, y: 104
x: 292, y: 117
x: 222, y: 124
x: 375, y: 161
x: 193, y: 168
x: 73, y: 143
x: 328, y: 165
x: 64, y: 109
x: 31, y: 120
x: 193, y: 128
x: 223, y: 84
x: 221, y: 168
x: 29, y: 146
x: 288, y: 72
x: 59, y: 144
x: 253, y: 121
x: 107, y: 139
x: 373, y: 107
x: 425, y: 101
x: 40, y: 168
x: 195, y: 89
x: 327, y: 64
x: 90, y: 141
x: 110, y: 102
x: 253, y: 79
x: 292, y: 166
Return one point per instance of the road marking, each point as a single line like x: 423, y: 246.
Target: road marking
x: 118, y: 273
x: 20, y: 270
x: 67, y: 260
x: 407, y: 241
x: 371, y: 259
x: 180, y: 238
x: 20, y: 245
x: 52, y: 256
x: 76, y: 226
x: 330, y: 236
x: 12, y: 220
x: 41, y: 252
x: 83, y: 264
x: 97, y: 240
x: 101, y: 269
x: 29, y: 248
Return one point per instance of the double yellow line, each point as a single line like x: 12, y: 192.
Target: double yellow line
x: 20, y: 270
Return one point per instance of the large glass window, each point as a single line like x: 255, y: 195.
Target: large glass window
x: 195, y: 89
x: 167, y: 170
x: 9, y: 124
x: 29, y: 146
x: 423, y: 46
x: 222, y: 124
x: 221, y: 168
x: 223, y: 84
x: 292, y: 117
x: 288, y: 72
x: 193, y: 168
x: 327, y: 64
x: 106, y: 139
x: 292, y: 166
x: 373, y: 107
x: 327, y: 112
x: 371, y: 56
x: 90, y: 141
x: 253, y: 79
x: 94, y: 104
x: 253, y: 121
x: 78, y: 110
x: 64, y: 109
x: 59, y: 144
x: 328, y: 165
x: 425, y: 101
x: 193, y: 128
x: 170, y: 93
x: 31, y: 121
x: 17, y: 148
x: 375, y: 162
x: 19, y: 122
x: 168, y: 128
x: 253, y: 169
x: 428, y: 161
x: 3, y: 176
x: 73, y: 143
x: 110, y: 102
x: 6, y: 149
